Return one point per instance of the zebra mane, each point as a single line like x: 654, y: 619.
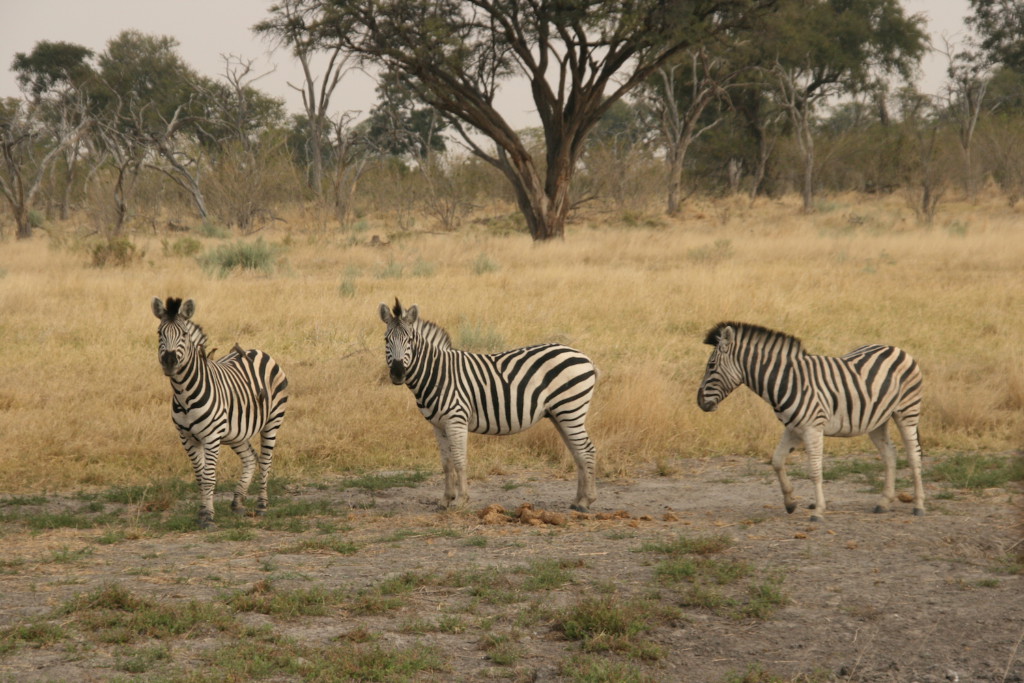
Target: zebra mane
x: 173, y: 306
x: 748, y: 331
x: 432, y: 334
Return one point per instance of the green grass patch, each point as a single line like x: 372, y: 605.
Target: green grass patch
x: 501, y: 649
x: 380, y: 482
x: 589, y: 668
x: 23, y: 500
x: 36, y: 634
x: 263, y: 598
x: 341, y: 661
x: 607, y: 624
x: 113, y: 614
x: 328, y: 543
x: 142, y: 659
x: 702, y: 545
x: 548, y: 574
x: 976, y: 472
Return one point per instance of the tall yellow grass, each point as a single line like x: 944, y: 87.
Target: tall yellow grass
x: 83, y: 402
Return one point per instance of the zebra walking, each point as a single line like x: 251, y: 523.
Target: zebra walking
x: 496, y: 393
x: 819, y: 396
x: 220, y: 402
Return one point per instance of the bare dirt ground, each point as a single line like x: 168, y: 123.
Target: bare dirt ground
x: 865, y: 597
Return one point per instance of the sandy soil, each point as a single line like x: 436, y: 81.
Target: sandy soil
x: 870, y: 597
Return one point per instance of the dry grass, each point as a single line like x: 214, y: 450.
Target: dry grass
x: 82, y: 400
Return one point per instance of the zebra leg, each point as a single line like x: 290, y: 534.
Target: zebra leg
x: 583, y: 452
x: 814, y: 442
x: 912, y: 442
x: 197, y: 457
x: 268, y: 439
x: 458, y: 436
x: 451, y: 441
x: 880, y: 437
x: 248, y: 457
x: 207, y: 478
x: 444, y: 447
x: 789, y: 442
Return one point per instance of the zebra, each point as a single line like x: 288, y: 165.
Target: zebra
x: 817, y: 396
x: 495, y: 393
x: 225, y: 401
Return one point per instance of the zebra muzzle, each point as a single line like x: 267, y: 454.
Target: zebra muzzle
x: 397, y: 373
x: 706, y: 405
x: 168, y: 361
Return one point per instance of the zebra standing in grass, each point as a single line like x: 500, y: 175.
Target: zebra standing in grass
x: 495, y: 393
x: 225, y: 401
x: 819, y: 396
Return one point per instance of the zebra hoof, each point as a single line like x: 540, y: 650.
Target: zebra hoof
x: 817, y: 518
x: 919, y: 512
x: 879, y: 510
x: 580, y: 508
x: 207, y: 523
x: 790, y: 507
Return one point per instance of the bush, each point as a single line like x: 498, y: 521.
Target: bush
x: 256, y: 255
x: 117, y: 251
x: 184, y: 247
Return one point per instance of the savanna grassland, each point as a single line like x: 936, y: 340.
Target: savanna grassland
x: 84, y: 404
x: 688, y: 570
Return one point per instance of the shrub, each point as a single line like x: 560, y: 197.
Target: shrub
x: 256, y: 255
x: 184, y: 247
x: 117, y: 251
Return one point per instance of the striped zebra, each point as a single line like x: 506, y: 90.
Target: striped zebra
x: 215, y: 402
x: 819, y: 396
x: 495, y: 393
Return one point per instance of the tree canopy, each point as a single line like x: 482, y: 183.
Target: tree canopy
x: 578, y: 57
x: 1000, y: 27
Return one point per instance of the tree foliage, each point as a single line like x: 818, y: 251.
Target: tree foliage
x: 1000, y: 27
x: 578, y: 57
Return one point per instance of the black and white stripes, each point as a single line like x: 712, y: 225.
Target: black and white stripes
x: 227, y: 401
x: 501, y: 393
x: 817, y: 396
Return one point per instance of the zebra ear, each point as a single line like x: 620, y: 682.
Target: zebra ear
x: 411, y: 314
x: 158, y: 307
x: 187, y: 309
x: 725, y: 339
x: 385, y: 314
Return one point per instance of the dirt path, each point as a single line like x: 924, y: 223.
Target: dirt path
x: 861, y: 597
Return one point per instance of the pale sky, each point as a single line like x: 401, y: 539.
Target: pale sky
x: 206, y: 29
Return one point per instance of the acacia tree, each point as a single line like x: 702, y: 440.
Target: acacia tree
x: 292, y: 23
x: 1000, y: 27
x: 27, y: 152
x: 678, y: 97
x: 967, y: 82
x: 578, y: 57
x: 825, y: 48
x: 54, y: 76
x: 148, y: 99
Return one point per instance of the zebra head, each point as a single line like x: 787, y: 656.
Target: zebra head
x: 179, y: 336
x: 723, y: 372
x: 398, y: 339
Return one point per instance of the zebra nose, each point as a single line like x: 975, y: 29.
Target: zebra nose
x: 168, y: 361
x: 397, y: 373
x: 705, y: 405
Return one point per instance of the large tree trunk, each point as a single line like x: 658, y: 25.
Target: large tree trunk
x: 544, y: 203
